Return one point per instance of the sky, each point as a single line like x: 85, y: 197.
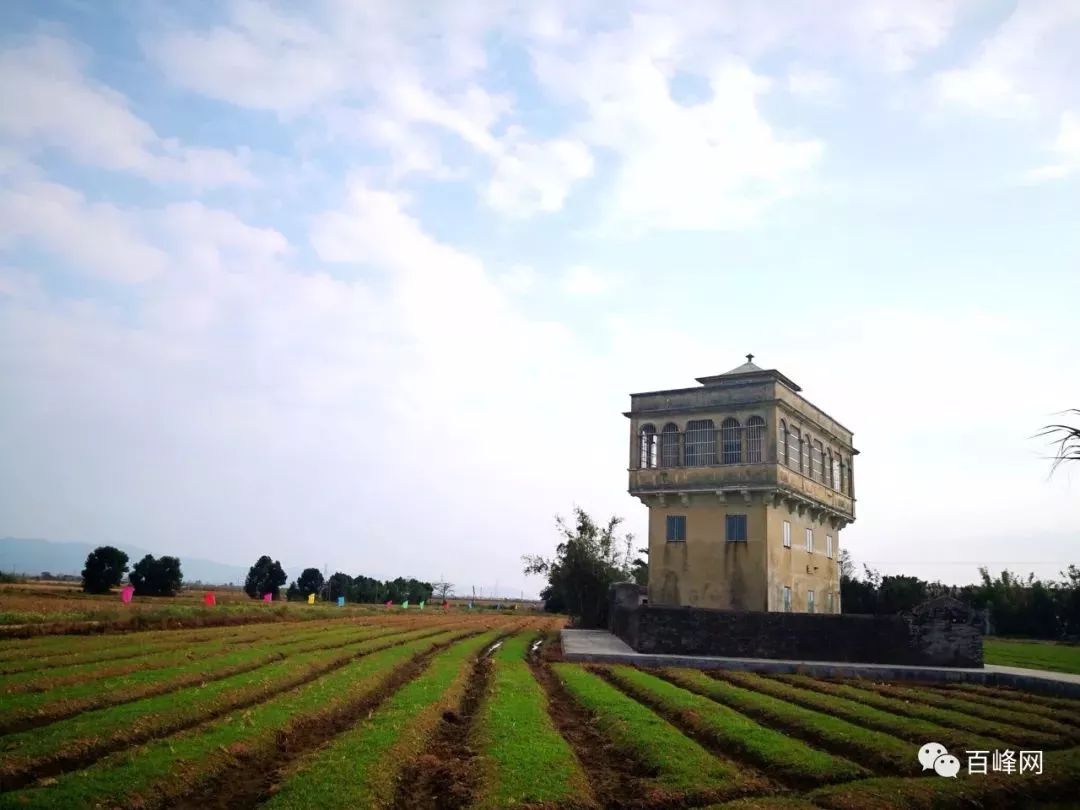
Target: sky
x: 367, y: 285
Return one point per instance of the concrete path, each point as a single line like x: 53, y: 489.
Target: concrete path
x: 601, y: 647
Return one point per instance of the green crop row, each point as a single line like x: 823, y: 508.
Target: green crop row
x: 782, y: 756
x: 675, y: 762
x: 135, y: 645
x: 160, y: 772
x: 1059, y: 780
x: 908, y: 728
x: 92, y: 734
x: 58, y: 676
x: 360, y: 767
x: 945, y: 717
x: 51, y: 646
x: 525, y: 759
x: 871, y: 748
x: 958, y: 703
x: 20, y: 710
x: 1063, y: 709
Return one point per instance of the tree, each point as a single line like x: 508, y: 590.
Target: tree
x: 105, y: 569
x: 1067, y: 439
x: 265, y: 576
x: 588, y: 560
x: 640, y: 568
x: 309, y: 581
x: 898, y: 594
x: 156, y: 577
x: 441, y: 590
x: 339, y: 585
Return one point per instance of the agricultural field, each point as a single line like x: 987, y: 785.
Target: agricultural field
x: 403, y: 709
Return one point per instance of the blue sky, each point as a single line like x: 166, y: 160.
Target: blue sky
x: 371, y: 283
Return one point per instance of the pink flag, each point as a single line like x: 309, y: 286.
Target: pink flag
x: 209, y: 599
x: 126, y: 593
x: 389, y: 602
x: 268, y: 597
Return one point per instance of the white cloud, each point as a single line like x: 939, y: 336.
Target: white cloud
x: 714, y: 165
x: 536, y: 176
x: 520, y: 278
x: 812, y: 84
x: 1029, y: 63
x: 581, y: 280
x: 1067, y: 152
x: 47, y: 100
x: 97, y: 238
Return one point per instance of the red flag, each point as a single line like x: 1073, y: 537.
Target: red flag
x: 268, y: 597
x: 209, y: 599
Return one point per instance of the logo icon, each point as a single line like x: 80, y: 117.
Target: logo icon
x: 934, y: 756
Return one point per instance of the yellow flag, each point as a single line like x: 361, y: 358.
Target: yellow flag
x: 311, y: 599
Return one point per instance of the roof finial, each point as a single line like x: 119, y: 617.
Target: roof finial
x: 749, y: 358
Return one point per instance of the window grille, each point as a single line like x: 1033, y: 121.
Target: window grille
x: 676, y: 528
x: 787, y: 599
x: 787, y: 534
x: 669, y: 446
x: 816, y: 461
x: 736, y: 528
x: 731, y: 441
x: 781, y: 443
x: 810, y: 540
x: 835, y: 482
x: 648, y: 446
x: 794, y: 449
x: 700, y: 443
x: 809, y: 601
x: 829, y: 602
x: 828, y: 546
x: 755, y: 440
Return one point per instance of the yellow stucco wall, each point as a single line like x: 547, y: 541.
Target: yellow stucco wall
x: 706, y: 570
x: 797, y: 568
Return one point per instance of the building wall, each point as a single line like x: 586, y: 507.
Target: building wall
x: 705, y: 570
x: 797, y: 568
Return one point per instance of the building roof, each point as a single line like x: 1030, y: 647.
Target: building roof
x: 745, y: 372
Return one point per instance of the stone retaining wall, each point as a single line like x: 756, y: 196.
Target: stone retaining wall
x: 942, y: 632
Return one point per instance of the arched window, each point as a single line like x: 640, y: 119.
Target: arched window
x: 731, y: 441
x: 794, y: 449
x: 648, y: 446
x: 700, y: 443
x: 669, y: 446
x: 755, y: 440
x: 829, y: 467
x: 841, y: 484
x: 804, y: 466
x: 816, y: 459
x: 835, y: 472
x: 781, y: 443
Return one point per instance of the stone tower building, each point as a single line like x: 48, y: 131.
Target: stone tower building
x: 748, y: 486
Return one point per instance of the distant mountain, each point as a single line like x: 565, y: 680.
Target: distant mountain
x: 26, y: 556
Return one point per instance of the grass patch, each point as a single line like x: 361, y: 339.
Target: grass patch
x: 782, y: 756
x: 871, y: 748
x: 674, y: 762
x: 162, y: 771
x: 525, y: 760
x: 1032, y: 654
x: 360, y: 767
x: 944, y: 717
x: 86, y: 736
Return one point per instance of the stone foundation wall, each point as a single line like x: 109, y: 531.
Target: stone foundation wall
x: 938, y: 633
